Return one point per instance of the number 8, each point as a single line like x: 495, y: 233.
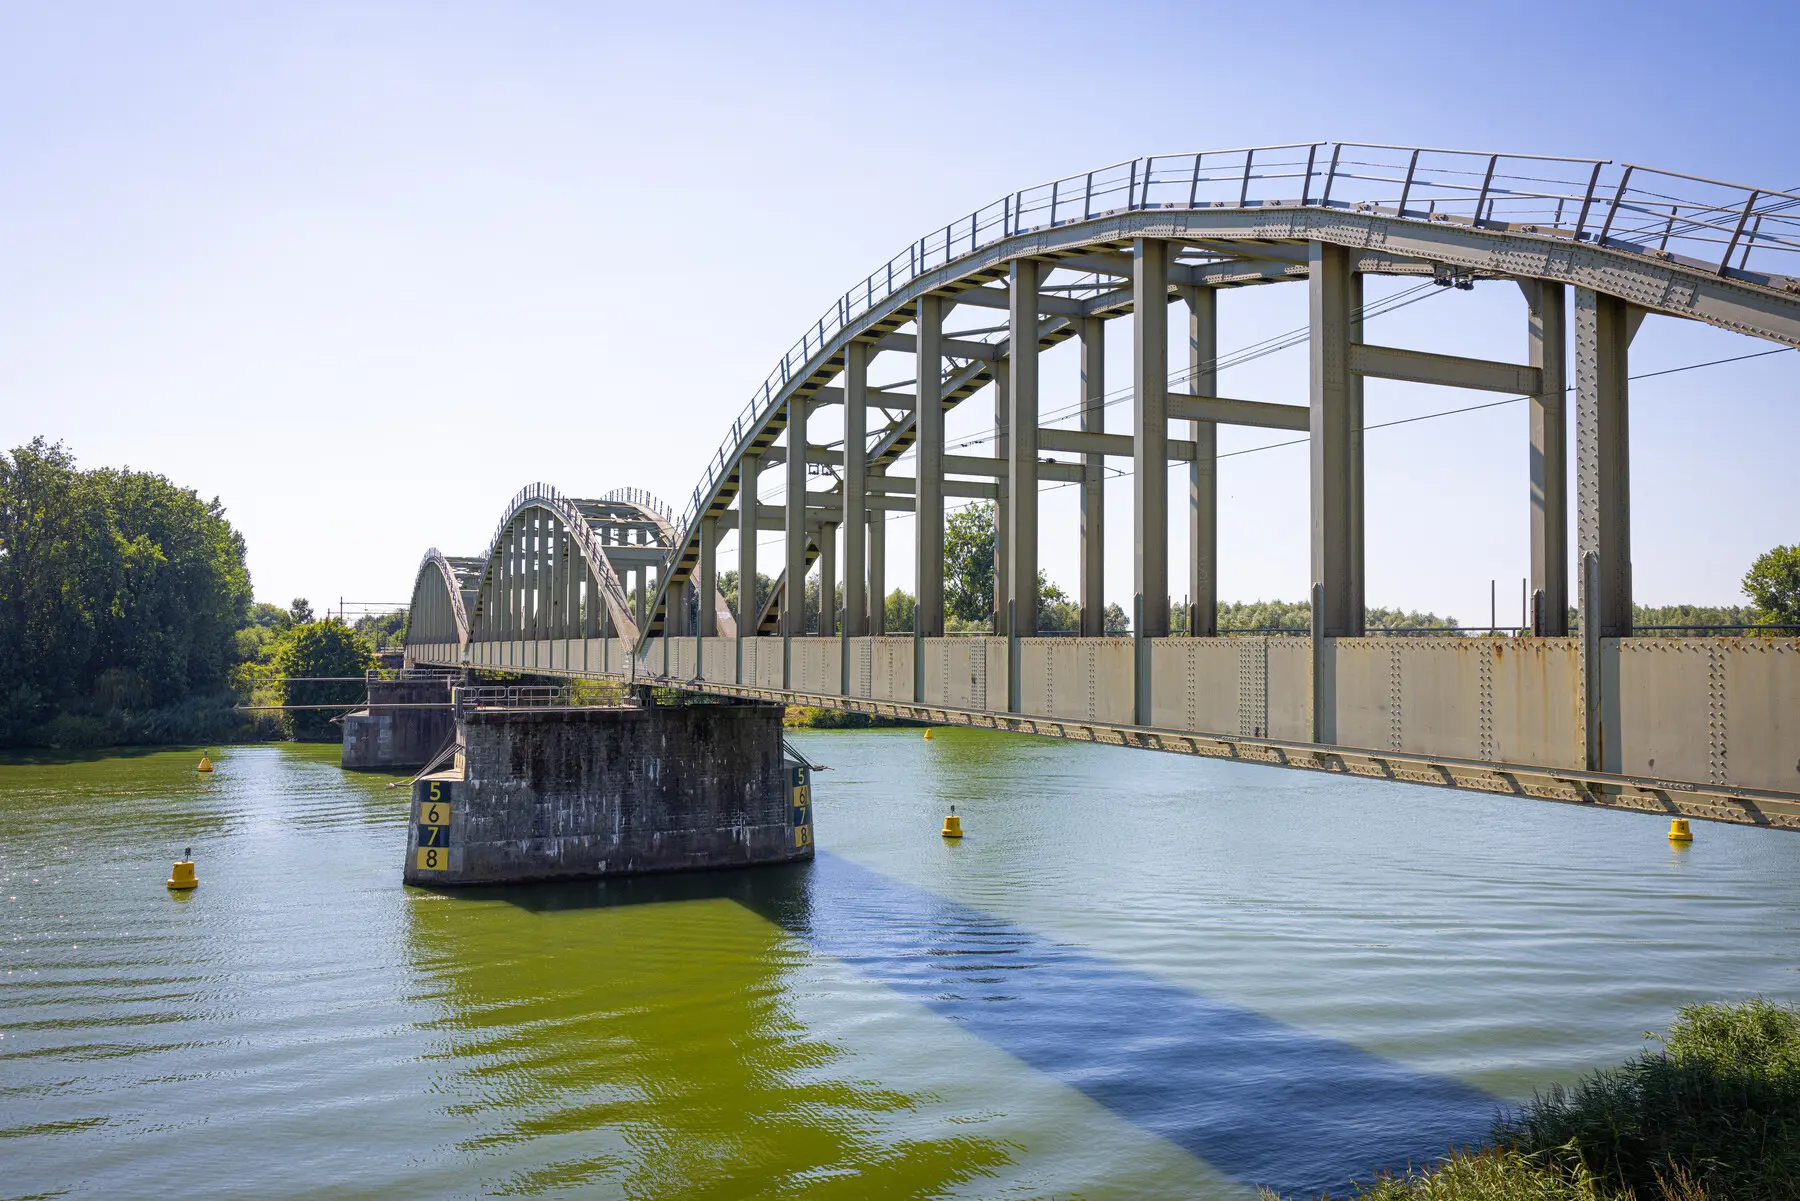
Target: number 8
x: 430, y: 858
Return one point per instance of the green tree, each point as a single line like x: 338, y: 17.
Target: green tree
x: 900, y: 609
x: 315, y: 649
x: 1773, y: 586
x: 969, y: 564
x: 382, y: 631
x: 118, y: 590
x: 728, y: 585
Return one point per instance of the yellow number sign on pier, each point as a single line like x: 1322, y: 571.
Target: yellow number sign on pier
x: 433, y: 827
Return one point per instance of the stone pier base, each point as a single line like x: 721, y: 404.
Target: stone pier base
x: 395, y: 733
x: 570, y: 792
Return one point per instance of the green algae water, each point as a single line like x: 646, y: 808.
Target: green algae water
x: 1138, y: 976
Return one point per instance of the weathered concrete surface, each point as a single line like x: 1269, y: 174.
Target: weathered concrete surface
x: 383, y: 738
x: 556, y: 793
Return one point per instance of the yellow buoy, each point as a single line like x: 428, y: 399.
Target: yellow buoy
x: 1678, y: 830
x: 181, y: 875
x: 205, y: 763
x: 927, y: 733
x: 952, y: 825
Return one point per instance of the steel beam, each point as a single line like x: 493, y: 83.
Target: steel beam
x: 1447, y: 370
x: 998, y: 468
x: 709, y: 578
x: 996, y: 298
x: 928, y: 531
x: 1333, y: 496
x: 1150, y: 459
x: 1093, y: 479
x: 1546, y: 304
x: 827, y: 580
x: 1203, y: 486
x: 856, y: 488
x: 1221, y: 411
x: 877, y: 563
x: 956, y: 348
x: 1603, y: 456
x: 1022, y: 451
x: 1353, y: 391
x: 794, y: 606
x: 747, y: 609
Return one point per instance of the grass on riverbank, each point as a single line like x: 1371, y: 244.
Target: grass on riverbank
x: 805, y: 717
x: 1713, y: 1116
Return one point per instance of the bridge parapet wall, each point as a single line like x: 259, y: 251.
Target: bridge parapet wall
x: 1723, y: 711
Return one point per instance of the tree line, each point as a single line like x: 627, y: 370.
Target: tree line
x: 970, y: 533
x: 126, y: 614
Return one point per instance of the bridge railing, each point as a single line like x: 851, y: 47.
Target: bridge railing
x: 1725, y: 227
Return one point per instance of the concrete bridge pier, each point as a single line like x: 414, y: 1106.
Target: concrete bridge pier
x: 638, y: 786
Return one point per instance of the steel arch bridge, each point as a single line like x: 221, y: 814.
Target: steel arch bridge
x: 622, y: 586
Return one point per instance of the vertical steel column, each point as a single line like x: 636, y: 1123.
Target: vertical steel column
x: 1335, y: 538
x: 1602, y: 452
x: 534, y: 567
x: 574, y: 569
x: 1022, y: 451
x: 1150, y: 456
x: 749, y: 467
x: 1203, y: 473
x: 1002, y: 489
x: 828, y: 579
x: 709, y: 578
x: 637, y: 581
x: 553, y: 586
x: 1333, y: 497
x: 856, y: 488
x: 795, y: 608
x: 928, y: 512
x: 1549, y: 468
x: 877, y: 565
x: 1603, y: 332
x: 1353, y: 392
x: 1093, y: 479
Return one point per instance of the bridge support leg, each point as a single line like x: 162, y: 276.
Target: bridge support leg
x: 1335, y: 536
x: 878, y: 568
x: 709, y: 578
x: 828, y: 579
x: 1002, y: 486
x: 1022, y: 451
x: 1203, y: 486
x: 1093, y: 479
x: 1603, y: 329
x: 928, y: 512
x: 1150, y: 454
x: 856, y: 488
x: 1549, y: 468
x: 749, y: 468
x: 794, y: 605
x: 1353, y: 392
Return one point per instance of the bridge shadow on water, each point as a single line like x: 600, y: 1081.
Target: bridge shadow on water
x: 1260, y: 1100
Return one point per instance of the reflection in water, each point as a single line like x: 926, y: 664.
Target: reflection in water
x: 639, y: 1033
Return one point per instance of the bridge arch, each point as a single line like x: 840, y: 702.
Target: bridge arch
x: 438, y: 614
x: 1550, y: 714
x: 1643, y: 239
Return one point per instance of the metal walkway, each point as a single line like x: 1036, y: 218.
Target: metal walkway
x: 1709, y: 728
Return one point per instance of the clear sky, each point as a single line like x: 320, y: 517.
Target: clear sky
x: 363, y: 270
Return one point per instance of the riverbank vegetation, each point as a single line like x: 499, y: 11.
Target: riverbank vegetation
x: 1714, y: 1115
x: 126, y: 616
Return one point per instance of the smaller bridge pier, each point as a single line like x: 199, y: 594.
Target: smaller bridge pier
x: 406, y: 722
x: 641, y: 782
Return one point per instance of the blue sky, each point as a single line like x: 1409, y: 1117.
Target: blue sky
x: 364, y: 270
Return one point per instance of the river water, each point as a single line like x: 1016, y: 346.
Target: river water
x: 1140, y: 975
